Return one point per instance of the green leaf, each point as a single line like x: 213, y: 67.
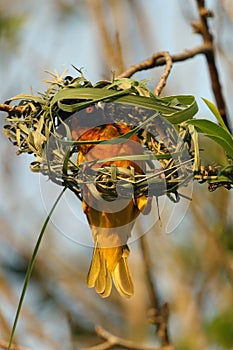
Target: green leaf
x: 194, y: 136
x: 215, y: 132
x: 27, y: 98
x: 186, y: 110
x: 184, y: 113
x: 216, y: 113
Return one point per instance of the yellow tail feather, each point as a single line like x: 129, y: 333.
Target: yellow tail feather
x: 110, y: 264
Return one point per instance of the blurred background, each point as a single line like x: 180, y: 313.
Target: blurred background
x: 192, y: 266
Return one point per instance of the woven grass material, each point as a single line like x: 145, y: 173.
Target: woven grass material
x: 42, y: 128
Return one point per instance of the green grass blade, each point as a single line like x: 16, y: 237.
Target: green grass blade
x: 215, y: 132
x: 185, y: 110
x: 30, y: 268
x: 216, y: 113
x: 194, y: 136
x: 175, y: 114
x: 28, y: 97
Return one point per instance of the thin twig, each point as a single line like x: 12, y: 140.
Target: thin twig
x: 202, y: 28
x: 147, y: 264
x: 157, y: 60
x: 112, y: 340
x: 149, y: 63
x: 165, y: 74
x: 163, y: 325
x: 9, y: 109
x: 161, y: 314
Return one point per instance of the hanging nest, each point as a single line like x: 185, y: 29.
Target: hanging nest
x: 42, y: 125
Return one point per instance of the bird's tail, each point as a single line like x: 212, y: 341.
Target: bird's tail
x: 107, y: 265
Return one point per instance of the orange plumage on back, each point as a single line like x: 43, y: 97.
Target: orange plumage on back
x: 111, y: 221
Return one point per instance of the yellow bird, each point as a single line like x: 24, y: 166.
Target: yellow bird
x: 111, y: 221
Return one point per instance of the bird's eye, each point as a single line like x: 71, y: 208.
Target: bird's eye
x: 89, y: 109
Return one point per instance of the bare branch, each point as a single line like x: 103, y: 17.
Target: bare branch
x: 150, y: 63
x: 202, y: 28
x: 112, y: 340
x: 157, y: 60
x: 147, y: 264
x: 160, y: 318
x: 165, y: 74
x: 7, y: 108
x: 160, y: 314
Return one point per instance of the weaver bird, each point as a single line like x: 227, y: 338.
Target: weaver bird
x: 111, y: 221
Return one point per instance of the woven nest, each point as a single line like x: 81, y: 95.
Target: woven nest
x: 43, y: 126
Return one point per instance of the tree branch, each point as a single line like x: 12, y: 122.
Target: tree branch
x: 160, y: 314
x: 152, y: 290
x: 7, y: 108
x: 165, y: 74
x: 112, y: 340
x: 202, y: 28
x: 150, y: 63
x: 157, y: 60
